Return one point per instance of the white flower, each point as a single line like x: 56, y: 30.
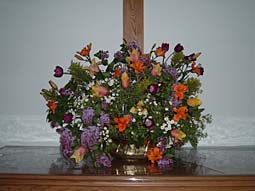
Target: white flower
x: 111, y: 82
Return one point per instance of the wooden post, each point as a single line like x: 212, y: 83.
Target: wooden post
x: 133, y: 24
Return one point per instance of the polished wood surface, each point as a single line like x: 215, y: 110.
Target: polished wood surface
x: 133, y: 21
x: 43, y: 168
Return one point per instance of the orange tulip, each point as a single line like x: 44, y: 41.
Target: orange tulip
x: 154, y: 154
x: 138, y: 66
x: 125, y: 80
x: 180, y: 113
x: 122, y: 123
x: 52, y: 106
x: 179, y: 90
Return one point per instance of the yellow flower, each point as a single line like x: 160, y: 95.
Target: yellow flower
x: 134, y: 55
x: 79, y: 154
x: 178, y: 134
x: 139, y: 107
x: 193, y: 102
x: 93, y: 68
x: 99, y: 91
x: 156, y: 70
x: 125, y: 80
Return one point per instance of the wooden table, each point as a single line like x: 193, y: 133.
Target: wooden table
x: 42, y: 168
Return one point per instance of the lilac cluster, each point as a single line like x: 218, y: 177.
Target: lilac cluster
x: 104, y: 119
x: 165, y: 162
x: 162, y: 143
x: 87, y: 116
x: 175, y: 102
x: 171, y: 71
x: 118, y: 55
x: 104, y: 105
x: 66, y: 141
x: 103, y: 160
x: 90, y: 137
x: 133, y: 45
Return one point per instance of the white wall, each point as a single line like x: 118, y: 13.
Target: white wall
x: 36, y: 35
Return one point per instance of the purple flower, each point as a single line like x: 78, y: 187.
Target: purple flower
x: 175, y: 102
x: 148, y: 123
x: 171, y: 71
x: 103, y: 160
x: 104, y: 55
x: 104, y: 119
x: 153, y: 88
x: 165, y: 46
x: 104, y: 105
x: 178, y: 48
x: 58, y: 72
x: 162, y: 143
x: 118, y: 55
x: 89, y: 137
x: 87, y: 116
x: 133, y: 45
x: 66, y: 141
x: 64, y: 91
x: 165, y: 161
x: 54, y: 124
x: 68, y: 117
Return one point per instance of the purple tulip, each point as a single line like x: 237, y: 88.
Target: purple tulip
x: 148, y: 123
x: 165, y: 46
x: 58, y: 72
x: 68, y: 117
x: 153, y: 88
x: 178, y: 48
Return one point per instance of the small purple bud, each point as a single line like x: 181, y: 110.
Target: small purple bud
x: 58, y: 72
x: 153, y: 89
x: 178, y: 48
x: 165, y: 46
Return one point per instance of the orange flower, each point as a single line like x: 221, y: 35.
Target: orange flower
x: 117, y: 72
x: 125, y: 80
x: 138, y: 66
x: 52, y: 105
x: 180, y: 113
x: 154, y: 154
x: 179, y: 89
x: 160, y: 52
x: 86, y: 50
x: 199, y: 70
x: 122, y: 123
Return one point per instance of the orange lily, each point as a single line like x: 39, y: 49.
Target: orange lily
x: 154, y: 154
x: 180, y: 113
x: 122, y: 123
x: 125, y: 80
x: 86, y: 50
x: 117, y: 72
x: 179, y: 89
x: 52, y: 106
x: 138, y: 66
x: 160, y: 52
x: 199, y: 70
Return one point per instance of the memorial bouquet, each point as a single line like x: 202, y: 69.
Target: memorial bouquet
x: 136, y: 99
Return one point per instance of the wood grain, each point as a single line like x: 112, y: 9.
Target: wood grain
x: 133, y: 21
x: 116, y: 183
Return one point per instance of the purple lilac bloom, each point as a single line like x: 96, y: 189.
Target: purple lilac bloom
x: 87, y: 116
x: 103, y: 160
x: 165, y: 46
x: 171, y: 71
x: 133, y: 45
x: 145, y: 59
x: 162, y: 143
x: 104, y: 55
x: 118, y: 55
x: 104, y: 105
x: 90, y: 136
x: 104, y: 119
x: 58, y: 72
x: 175, y: 102
x: 68, y: 117
x: 178, y: 48
x: 165, y: 162
x: 64, y: 91
x: 66, y: 141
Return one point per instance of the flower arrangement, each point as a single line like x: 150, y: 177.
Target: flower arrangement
x: 135, y: 99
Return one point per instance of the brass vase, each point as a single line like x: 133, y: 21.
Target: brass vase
x: 130, y: 152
